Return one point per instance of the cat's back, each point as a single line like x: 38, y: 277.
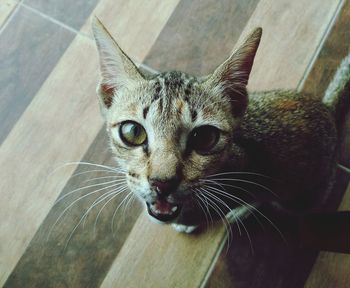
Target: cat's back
x: 295, y: 133
x: 286, y: 113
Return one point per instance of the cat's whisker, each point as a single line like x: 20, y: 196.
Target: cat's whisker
x: 227, y: 185
x: 104, y: 177
x: 94, y: 204
x: 246, y: 231
x: 116, y: 210
x: 117, y: 190
x: 115, y: 169
x: 219, y: 212
x: 104, y: 205
x: 199, y: 201
x: 93, y: 171
x: 248, y: 182
x: 238, y: 220
x: 86, y: 187
x: 240, y: 173
x: 224, y: 214
x: 126, y: 204
x: 75, y: 201
x: 206, y: 205
x: 227, y: 195
x: 221, y: 215
x: 252, y: 208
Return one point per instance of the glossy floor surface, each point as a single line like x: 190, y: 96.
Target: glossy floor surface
x: 49, y: 116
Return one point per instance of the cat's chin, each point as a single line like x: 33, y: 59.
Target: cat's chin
x: 163, y: 211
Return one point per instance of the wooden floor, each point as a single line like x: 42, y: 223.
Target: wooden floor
x: 49, y: 116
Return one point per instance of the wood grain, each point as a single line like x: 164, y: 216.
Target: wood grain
x: 200, y: 35
x: 83, y: 260
x: 332, y: 269
x: 163, y: 258
x: 66, y: 119
x: 292, y: 33
x: 134, y: 24
x: 71, y: 13
x: 6, y: 8
x: 27, y: 156
x: 28, y: 53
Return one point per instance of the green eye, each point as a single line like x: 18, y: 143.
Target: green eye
x: 204, y: 138
x: 132, y: 133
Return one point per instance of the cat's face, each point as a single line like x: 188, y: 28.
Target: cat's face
x: 172, y: 130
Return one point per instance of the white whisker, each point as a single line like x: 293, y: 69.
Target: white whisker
x: 86, y: 187
x: 251, y: 207
x: 116, y: 210
x: 95, y: 203
x: 75, y: 201
x: 249, y: 182
x: 104, y: 205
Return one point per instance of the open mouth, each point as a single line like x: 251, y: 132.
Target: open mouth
x: 163, y: 210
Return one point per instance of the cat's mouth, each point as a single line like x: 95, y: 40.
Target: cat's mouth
x: 163, y: 210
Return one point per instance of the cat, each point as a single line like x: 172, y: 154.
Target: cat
x: 199, y: 147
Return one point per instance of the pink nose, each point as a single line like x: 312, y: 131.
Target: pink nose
x: 164, y: 187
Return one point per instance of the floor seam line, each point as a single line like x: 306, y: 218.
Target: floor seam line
x: 53, y: 20
x: 10, y: 17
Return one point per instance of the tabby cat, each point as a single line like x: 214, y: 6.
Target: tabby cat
x: 195, y: 148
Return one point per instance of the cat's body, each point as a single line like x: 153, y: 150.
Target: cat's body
x: 193, y: 148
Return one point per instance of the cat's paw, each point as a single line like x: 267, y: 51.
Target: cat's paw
x: 183, y: 228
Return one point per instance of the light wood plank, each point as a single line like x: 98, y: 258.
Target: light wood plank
x: 288, y: 45
x: 6, y: 8
x: 292, y: 31
x: 156, y: 256
x: 57, y: 127
x: 137, y: 32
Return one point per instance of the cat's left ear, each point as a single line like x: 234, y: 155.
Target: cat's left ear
x: 117, y: 69
x: 231, y: 77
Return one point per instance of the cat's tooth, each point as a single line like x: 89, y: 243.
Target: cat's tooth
x: 174, y: 209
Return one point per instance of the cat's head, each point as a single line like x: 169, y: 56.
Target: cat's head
x: 172, y: 130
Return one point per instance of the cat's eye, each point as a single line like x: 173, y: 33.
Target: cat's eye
x: 132, y: 133
x: 203, y: 139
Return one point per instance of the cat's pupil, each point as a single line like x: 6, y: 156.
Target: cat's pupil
x: 132, y: 133
x: 204, y: 138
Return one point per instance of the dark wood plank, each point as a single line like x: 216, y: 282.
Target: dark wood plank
x: 273, y: 264
x: 86, y: 258
x: 71, y: 13
x: 199, y: 35
x: 30, y: 47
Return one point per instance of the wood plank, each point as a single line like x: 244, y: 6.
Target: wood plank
x: 84, y: 260
x: 65, y: 118
x: 332, y: 269
x: 157, y: 256
x: 23, y: 69
x: 292, y: 33
x: 200, y: 35
x: 141, y: 33
x: 70, y: 13
x: 6, y: 9
x: 57, y: 138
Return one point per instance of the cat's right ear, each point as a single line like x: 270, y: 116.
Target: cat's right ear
x: 231, y: 77
x: 116, y: 68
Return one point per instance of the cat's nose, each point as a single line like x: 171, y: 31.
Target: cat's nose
x: 164, y: 186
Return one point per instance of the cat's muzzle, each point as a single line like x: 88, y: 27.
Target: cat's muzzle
x: 163, y: 211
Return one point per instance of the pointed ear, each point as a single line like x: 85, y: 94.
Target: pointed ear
x: 117, y: 70
x: 231, y: 77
